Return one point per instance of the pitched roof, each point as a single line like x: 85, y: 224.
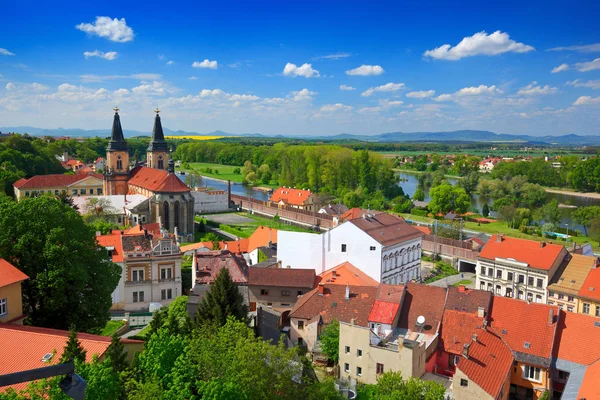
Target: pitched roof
x: 262, y: 236
x: 535, y: 254
x: 425, y: 229
x: 332, y: 304
x: 356, y: 212
x: 151, y: 228
x: 468, y: 300
x: 157, y: 180
x: 457, y: 329
x: 282, y: 277
x: 10, y: 274
x: 112, y: 240
x: 334, y: 209
x: 589, y: 388
x: 573, y: 332
x: 386, y: 229
x: 524, y: 327
x: 571, y: 274
x: 346, y: 273
x: 23, y: 347
x: 383, y: 312
x: 196, y: 246
x: 137, y: 242
x: 422, y: 300
x: 53, y: 180
x: 489, y: 362
x: 292, y: 196
x: 210, y: 263
x: 590, y: 288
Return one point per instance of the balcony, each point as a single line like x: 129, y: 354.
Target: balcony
x: 138, y: 283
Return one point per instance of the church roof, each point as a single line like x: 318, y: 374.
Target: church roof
x: 158, y: 142
x: 117, y: 140
x: 157, y: 180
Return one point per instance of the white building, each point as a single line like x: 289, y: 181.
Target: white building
x: 518, y: 268
x: 209, y: 201
x: 381, y: 245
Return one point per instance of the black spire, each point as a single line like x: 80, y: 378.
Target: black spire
x: 158, y: 142
x: 117, y: 140
x: 171, y: 167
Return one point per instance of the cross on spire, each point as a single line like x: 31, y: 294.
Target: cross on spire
x: 157, y: 111
x: 116, y: 109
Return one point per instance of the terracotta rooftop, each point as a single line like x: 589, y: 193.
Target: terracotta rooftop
x: 282, y: 277
x: 457, y: 329
x: 113, y: 240
x: 356, y: 212
x: 468, y: 300
x: 383, y: 312
x: 196, y: 246
x: 334, y: 209
x: 425, y: 229
x: 387, y: 229
x: 590, y: 389
x: 156, y: 180
x: 535, y: 254
x: 345, y: 273
x: 23, y: 347
x: 422, y: 300
x: 572, y: 333
x: 590, y: 289
x: 489, y: 362
x: 525, y: 328
x: 332, y: 304
x: 210, y: 263
x: 262, y: 236
x: 10, y: 274
x: 51, y: 181
x: 571, y: 274
x: 151, y: 228
x: 291, y: 196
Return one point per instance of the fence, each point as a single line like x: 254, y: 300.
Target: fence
x: 139, y: 319
x: 447, y: 249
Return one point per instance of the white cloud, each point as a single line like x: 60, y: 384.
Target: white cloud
x: 533, y: 89
x: 121, y: 92
x: 243, y: 97
x: 593, y: 84
x: 443, y: 97
x: 366, y: 70
x: 306, y: 70
x: 369, y: 110
x: 389, y: 104
x: 211, y: 93
x: 302, y: 95
x: 588, y: 66
x: 560, y: 68
x: 586, y: 100
x: 335, y: 107
x: 334, y: 56
x: 193, y: 78
x: 479, y: 44
x: 11, y: 86
x: 388, y: 87
x: 110, y: 55
x: 26, y: 87
x: 170, y: 62
x: 585, y: 48
x: 205, y: 64
x: 346, y: 87
x: 479, y: 91
x: 4, y: 52
x: 421, y: 94
x: 115, y: 30
x: 100, y: 78
x: 154, y: 88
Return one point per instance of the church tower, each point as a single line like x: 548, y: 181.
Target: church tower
x: 116, y: 171
x: 157, y: 155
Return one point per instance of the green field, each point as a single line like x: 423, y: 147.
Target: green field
x: 246, y: 229
x: 219, y: 171
x: 111, y: 327
x: 487, y: 152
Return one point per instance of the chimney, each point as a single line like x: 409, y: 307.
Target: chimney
x: 347, y: 292
x: 550, y: 316
x: 475, y: 337
x: 462, y: 288
x: 485, y: 324
x: 352, y: 321
x: 499, y: 238
x: 98, y: 233
x: 596, y: 263
x: 465, y: 351
x: 543, y: 244
x: 321, y: 288
x: 480, y: 312
x: 110, y: 231
x: 334, y: 274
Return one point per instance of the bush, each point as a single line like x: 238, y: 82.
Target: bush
x: 418, y: 212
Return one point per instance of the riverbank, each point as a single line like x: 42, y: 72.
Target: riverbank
x: 412, y: 171
x: 566, y: 192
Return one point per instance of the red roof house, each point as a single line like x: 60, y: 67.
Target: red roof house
x: 299, y: 198
x: 538, y: 255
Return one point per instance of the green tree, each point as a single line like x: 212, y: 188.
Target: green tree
x: 470, y: 182
x: 391, y: 386
x: 70, y: 279
x: 419, y: 194
x: 223, y: 299
x: 594, y: 230
x: 330, y: 340
x: 585, y: 215
x: 486, y: 210
x: 550, y: 212
x: 116, y: 354
x: 446, y: 198
x: 73, y: 349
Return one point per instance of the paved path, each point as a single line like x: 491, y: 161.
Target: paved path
x: 450, y: 280
x: 132, y: 332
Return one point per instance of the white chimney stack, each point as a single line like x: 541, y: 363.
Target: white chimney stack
x: 347, y: 292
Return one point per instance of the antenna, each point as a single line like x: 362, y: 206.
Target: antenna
x: 420, y: 321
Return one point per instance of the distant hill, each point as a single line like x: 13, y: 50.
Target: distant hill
x: 464, y: 136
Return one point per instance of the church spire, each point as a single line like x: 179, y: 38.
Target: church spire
x: 158, y: 142
x: 117, y: 140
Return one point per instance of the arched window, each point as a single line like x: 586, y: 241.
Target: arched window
x: 119, y: 163
x: 166, y: 215
x: 161, y: 164
x: 176, y: 216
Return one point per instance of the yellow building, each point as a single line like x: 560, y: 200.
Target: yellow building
x: 589, y: 294
x: 11, y: 303
x: 563, y: 290
x: 53, y: 185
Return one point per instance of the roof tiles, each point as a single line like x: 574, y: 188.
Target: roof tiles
x: 51, y: 181
x: 10, y: 274
x: 572, y: 333
x: 346, y: 273
x: 535, y: 254
x: 292, y: 196
x: 422, y: 300
x: 156, y: 180
x: 590, y: 288
x: 281, y: 277
x: 387, y: 229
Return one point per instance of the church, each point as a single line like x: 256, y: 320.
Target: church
x: 170, y: 202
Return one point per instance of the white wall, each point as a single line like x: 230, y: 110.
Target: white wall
x: 300, y: 250
x: 207, y: 201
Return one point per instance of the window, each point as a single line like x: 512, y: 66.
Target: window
x: 550, y: 303
x: 74, y: 192
x: 509, y: 276
x: 521, y: 278
x: 561, y: 296
x: 379, y: 369
x: 498, y: 289
x: 530, y: 281
x: 300, y: 324
x: 343, y: 248
x: 482, y: 286
x: 347, y: 349
x: 3, y: 306
x: 540, y: 282
x: 138, y: 297
x: 499, y: 273
x: 166, y: 273
x: 464, y: 382
x: 531, y: 373
x: 92, y: 191
x: 489, y: 287
x: 529, y: 297
x: 358, y: 353
x: 119, y: 163
x: 509, y: 292
x: 550, y: 293
x: 586, y: 308
x: 490, y: 271
x: 99, y: 191
x: 571, y: 298
x: 358, y: 371
x: 346, y: 367
x: 372, y: 248
x: 300, y: 341
x: 161, y: 163
x: 56, y: 192
x: 264, y: 292
x: 538, y: 298
x: 597, y: 311
x: 300, y: 292
x: 137, y: 275
x: 520, y: 295
x: 285, y: 292
x: 482, y: 270
x: 453, y: 360
x: 81, y: 191
x: 570, y: 309
x: 163, y: 294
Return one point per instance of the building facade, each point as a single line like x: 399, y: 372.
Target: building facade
x: 53, y: 185
x: 278, y: 288
x: 564, y: 287
x: 302, y: 199
x: 11, y: 302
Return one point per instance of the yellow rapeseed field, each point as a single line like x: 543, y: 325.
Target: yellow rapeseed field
x: 194, y: 137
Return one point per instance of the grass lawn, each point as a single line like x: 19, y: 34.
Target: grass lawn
x: 225, y: 172
x: 463, y: 282
x: 246, y: 229
x: 442, y: 270
x: 144, y: 332
x: 111, y: 327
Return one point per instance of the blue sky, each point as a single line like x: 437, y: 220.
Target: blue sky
x: 303, y: 68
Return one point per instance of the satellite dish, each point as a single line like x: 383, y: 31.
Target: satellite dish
x: 420, y: 320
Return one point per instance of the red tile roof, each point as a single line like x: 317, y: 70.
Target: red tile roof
x: 210, y: 263
x: 425, y: 229
x: 10, y: 274
x: 281, y: 277
x: 522, y: 250
x: 387, y: 229
x: 574, y: 331
x: 468, y: 300
x: 489, y: 362
x: 422, y: 300
x: 196, y: 246
x: 590, y: 389
x: 156, y: 180
x: 354, y: 213
x: 518, y: 322
x: 291, y: 196
x: 333, y: 304
x: 457, y: 329
x: 262, y: 236
x: 23, y: 347
x: 591, y: 286
x: 346, y: 273
x: 112, y: 240
x: 151, y: 228
x: 383, y: 312
x: 54, y: 180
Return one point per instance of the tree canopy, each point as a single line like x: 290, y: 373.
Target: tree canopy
x: 223, y: 299
x: 446, y: 198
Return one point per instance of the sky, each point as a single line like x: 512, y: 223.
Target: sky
x: 310, y: 68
